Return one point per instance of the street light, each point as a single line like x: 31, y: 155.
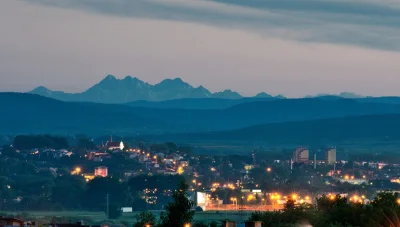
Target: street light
x: 76, y: 171
x: 234, y: 201
x: 356, y: 199
x: 250, y: 197
x: 187, y: 225
x: 269, y: 169
x: 180, y: 170
x: 275, y: 197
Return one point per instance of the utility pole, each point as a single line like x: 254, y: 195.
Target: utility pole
x: 108, y: 209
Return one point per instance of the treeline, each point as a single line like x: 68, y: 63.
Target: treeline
x: 27, y: 142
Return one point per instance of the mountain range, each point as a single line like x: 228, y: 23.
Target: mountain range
x: 113, y: 90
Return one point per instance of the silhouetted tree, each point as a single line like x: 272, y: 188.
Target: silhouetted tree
x: 178, y: 212
x: 145, y: 218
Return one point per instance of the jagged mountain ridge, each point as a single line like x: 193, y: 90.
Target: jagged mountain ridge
x: 113, y: 90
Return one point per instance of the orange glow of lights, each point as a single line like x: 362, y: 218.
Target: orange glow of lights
x: 250, y: 198
x: 180, y: 170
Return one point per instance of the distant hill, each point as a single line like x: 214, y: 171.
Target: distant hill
x: 196, y: 103
x: 264, y: 95
x: 347, y: 95
x: 387, y: 100
x: 323, y: 131
x: 220, y: 103
x: 28, y: 113
x: 113, y: 90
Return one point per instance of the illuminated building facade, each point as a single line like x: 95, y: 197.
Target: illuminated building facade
x: 101, y: 171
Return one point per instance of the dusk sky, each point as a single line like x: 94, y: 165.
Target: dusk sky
x: 290, y: 47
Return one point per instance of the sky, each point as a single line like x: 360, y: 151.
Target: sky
x: 290, y: 47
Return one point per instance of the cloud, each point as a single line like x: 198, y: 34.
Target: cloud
x: 371, y: 24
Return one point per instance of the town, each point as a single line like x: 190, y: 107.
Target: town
x: 143, y: 176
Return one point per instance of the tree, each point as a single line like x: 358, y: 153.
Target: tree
x: 98, y: 188
x: 171, y: 147
x: 127, y: 146
x: 381, y: 218
x: 386, y: 200
x: 179, y: 212
x: 27, y: 142
x: 85, y: 143
x: 200, y: 224
x: 68, y: 190
x: 145, y: 218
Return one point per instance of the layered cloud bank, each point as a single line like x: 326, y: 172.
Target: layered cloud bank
x: 295, y: 48
x: 373, y: 24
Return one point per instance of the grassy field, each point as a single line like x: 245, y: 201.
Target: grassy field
x: 99, y: 217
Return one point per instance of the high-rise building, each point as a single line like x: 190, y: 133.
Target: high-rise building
x: 330, y: 156
x: 301, y: 154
